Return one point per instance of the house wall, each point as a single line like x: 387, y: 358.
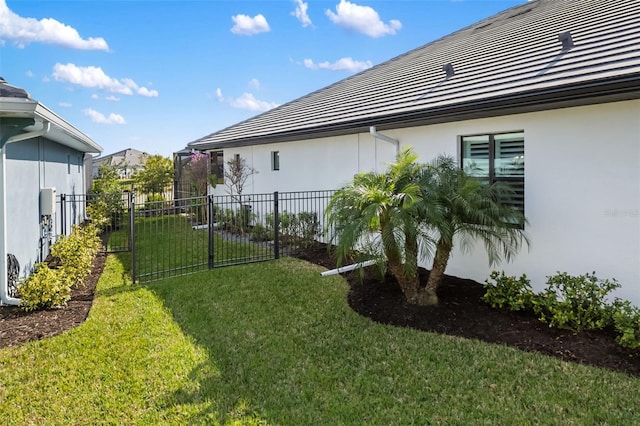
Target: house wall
x: 30, y: 166
x: 582, y: 185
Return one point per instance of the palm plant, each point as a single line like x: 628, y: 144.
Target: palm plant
x: 377, y: 213
x: 453, y: 204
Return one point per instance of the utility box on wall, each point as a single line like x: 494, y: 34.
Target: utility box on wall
x: 47, y: 201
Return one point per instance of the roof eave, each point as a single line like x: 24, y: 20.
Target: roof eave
x: 594, y: 92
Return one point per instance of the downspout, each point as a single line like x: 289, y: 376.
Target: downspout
x: 5, y: 299
x: 385, y: 138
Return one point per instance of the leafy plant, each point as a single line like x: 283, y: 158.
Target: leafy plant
x: 508, y: 292
x: 626, y: 319
x: 576, y: 302
x: 45, y: 288
x: 156, y: 175
x: 76, y: 252
x: 261, y: 233
x: 106, y: 198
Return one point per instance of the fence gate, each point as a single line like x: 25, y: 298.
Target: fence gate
x: 115, y: 206
x: 179, y: 237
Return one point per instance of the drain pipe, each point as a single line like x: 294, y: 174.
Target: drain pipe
x: 5, y: 299
x: 348, y: 268
x: 385, y: 138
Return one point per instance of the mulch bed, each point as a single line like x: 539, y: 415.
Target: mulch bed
x: 460, y: 312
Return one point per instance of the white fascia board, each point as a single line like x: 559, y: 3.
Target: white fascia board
x: 64, y: 133
x: 17, y: 107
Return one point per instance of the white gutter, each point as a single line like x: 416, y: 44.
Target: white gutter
x: 5, y: 299
x: 385, y: 138
x: 348, y: 268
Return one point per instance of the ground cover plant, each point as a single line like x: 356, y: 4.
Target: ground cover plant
x: 276, y: 343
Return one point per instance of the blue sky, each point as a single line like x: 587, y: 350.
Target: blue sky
x: 157, y: 74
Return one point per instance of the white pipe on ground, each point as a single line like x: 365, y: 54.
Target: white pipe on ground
x: 348, y: 268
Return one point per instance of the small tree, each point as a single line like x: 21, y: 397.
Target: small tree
x: 410, y: 209
x: 106, y: 202
x: 236, y: 174
x: 156, y: 175
x: 379, y: 213
x: 455, y: 204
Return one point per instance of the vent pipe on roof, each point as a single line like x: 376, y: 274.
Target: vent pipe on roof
x: 566, y: 40
x: 448, y: 69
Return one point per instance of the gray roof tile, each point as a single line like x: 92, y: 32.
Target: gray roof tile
x: 511, y: 62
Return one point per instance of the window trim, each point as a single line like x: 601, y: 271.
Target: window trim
x: 492, y: 178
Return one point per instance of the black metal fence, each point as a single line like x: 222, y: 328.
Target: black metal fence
x: 116, y: 207
x: 183, y: 236
x: 192, y: 234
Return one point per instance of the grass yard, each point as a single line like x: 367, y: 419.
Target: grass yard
x: 167, y: 246
x: 275, y: 343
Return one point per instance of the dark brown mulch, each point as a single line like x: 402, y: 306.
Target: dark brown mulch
x: 460, y: 313
x: 18, y: 326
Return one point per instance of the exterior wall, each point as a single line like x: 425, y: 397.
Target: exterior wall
x: 582, y: 185
x: 32, y: 165
x: 316, y: 164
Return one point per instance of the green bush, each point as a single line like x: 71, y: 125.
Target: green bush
x: 576, y: 302
x: 508, y: 292
x: 155, y: 201
x: 626, y: 319
x: 45, y: 288
x: 76, y: 252
x: 261, y: 233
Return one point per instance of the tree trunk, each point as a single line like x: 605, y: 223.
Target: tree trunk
x: 443, y: 251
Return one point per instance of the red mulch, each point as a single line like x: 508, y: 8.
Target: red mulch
x: 460, y: 312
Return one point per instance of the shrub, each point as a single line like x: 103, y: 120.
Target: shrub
x: 626, y: 319
x: 45, y: 288
x: 261, y: 233
x: 76, y: 252
x: 576, y: 302
x: 508, y: 292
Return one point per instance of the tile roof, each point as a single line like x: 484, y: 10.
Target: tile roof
x: 514, y: 61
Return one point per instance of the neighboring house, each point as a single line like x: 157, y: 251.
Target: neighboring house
x: 556, y: 82
x: 42, y: 156
x: 127, y: 162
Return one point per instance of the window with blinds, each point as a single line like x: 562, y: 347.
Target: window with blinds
x: 497, y: 157
x: 217, y: 165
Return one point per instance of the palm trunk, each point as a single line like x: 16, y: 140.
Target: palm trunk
x: 443, y: 251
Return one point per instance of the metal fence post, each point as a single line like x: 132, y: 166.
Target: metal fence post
x: 276, y: 226
x: 132, y: 234
x: 210, y: 229
x: 63, y: 222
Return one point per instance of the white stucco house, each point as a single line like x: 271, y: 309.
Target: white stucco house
x: 42, y: 157
x: 555, y: 82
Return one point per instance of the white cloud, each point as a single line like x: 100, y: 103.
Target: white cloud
x: 362, y: 19
x: 95, y: 77
x: 301, y: 13
x: 246, y: 25
x: 249, y: 102
x: 65, y: 104
x: 246, y: 101
x: 112, y: 98
x: 23, y: 31
x: 30, y: 74
x: 98, y: 117
x: 94, y: 96
x: 342, y: 64
x: 254, y: 84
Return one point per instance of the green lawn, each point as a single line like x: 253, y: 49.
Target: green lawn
x: 275, y: 343
x: 167, y: 246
